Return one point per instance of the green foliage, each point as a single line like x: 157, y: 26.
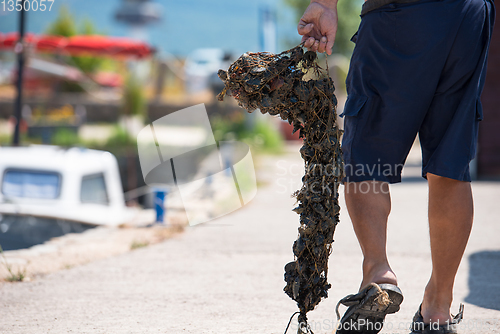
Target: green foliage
x: 134, y: 100
x: 16, y: 277
x: 120, y: 137
x: 13, y: 277
x: 87, y: 64
x: 5, y: 139
x: 88, y: 27
x: 348, y: 25
x: 71, y: 87
x: 138, y: 244
x: 65, y: 25
x: 267, y: 137
x: 299, y: 6
x: 348, y: 12
x: 119, y: 140
x: 119, y: 143
x: 229, y: 127
x: 65, y: 138
x: 262, y: 135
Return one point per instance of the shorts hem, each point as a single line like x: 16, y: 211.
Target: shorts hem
x: 465, y: 177
x: 381, y: 178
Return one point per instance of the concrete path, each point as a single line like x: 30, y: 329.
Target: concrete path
x: 227, y: 276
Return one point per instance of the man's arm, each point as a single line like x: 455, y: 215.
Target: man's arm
x: 318, y: 25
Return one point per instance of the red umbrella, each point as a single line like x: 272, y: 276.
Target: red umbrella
x: 92, y: 45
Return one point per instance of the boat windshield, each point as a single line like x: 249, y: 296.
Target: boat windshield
x: 31, y: 184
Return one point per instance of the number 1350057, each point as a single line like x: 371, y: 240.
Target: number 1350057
x: 27, y: 5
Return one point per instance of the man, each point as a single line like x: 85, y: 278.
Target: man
x: 418, y: 68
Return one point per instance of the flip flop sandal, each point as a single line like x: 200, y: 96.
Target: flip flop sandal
x: 419, y: 327
x: 367, y: 309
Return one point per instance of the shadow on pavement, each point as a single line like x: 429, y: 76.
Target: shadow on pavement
x: 484, y: 279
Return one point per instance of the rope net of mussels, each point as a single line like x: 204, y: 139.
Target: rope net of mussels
x: 275, y: 84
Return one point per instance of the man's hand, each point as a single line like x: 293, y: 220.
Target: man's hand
x: 318, y: 25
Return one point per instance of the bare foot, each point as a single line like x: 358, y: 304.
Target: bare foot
x: 379, y: 274
x: 436, y: 307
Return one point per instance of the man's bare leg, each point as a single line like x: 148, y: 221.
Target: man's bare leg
x: 369, y: 205
x: 450, y: 223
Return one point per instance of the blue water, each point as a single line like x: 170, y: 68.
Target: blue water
x: 17, y: 232
x: 232, y: 25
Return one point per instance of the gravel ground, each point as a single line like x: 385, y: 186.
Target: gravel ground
x: 226, y: 276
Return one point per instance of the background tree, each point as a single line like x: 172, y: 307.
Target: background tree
x: 348, y: 11
x: 134, y: 100
x: 65, y: 25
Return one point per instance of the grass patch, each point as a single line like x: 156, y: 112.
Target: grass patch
x: 138, y: 244
x: 12, y: 277
x: 16, y: 277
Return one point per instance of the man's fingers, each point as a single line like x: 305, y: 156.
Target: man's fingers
x: 331, y: 40
x: 304, y: 28
x: 309, y: 42
x: 315, y: 46
x: 329, y: 47
x: 322, y: 44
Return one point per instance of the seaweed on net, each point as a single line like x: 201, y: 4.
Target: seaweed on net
x: 281, y: 84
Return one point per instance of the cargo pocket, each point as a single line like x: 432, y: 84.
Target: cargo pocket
x: 352, y: 107
x: 475, y: 129
x: 354, y: 37
x: 479, y: 110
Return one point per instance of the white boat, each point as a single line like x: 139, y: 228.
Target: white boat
x: 48, y: 182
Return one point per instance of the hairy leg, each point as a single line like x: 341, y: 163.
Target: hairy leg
x: 450, y: 223
x: 369, y: 205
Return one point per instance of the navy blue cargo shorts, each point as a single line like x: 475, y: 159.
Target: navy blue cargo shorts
x: 417, y: 68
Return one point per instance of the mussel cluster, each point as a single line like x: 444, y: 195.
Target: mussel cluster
x: 275, y: 84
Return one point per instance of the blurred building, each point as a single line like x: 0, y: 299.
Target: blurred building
x: 138, y: 12
x: 267, y: 24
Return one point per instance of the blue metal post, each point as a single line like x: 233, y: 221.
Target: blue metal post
x: 160, y: 196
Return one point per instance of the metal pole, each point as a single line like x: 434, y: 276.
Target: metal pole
x: 160, y: 197
x: 19, y: 49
